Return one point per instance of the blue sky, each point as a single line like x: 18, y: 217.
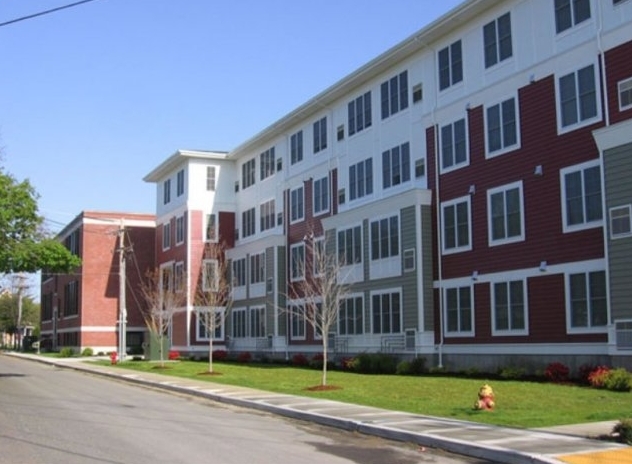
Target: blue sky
x: 93, y: 97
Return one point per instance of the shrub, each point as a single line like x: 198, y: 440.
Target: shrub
x: 418, y: 366
x: 403, y: 368
x: 623, y: 431
x: 220, y: 355
x: 347, y: 364
x: 317, y: 361
x: 375, y: 363
x: 597, y: 378
x: 618, y: 380
x: 584, y: 372
x: 557, y: 372
x: 174, y: 355
x: 87, y: 352
x: 66, y: 352
x: 244, y: 357
x: 300, y: 359
x: 512, y: 373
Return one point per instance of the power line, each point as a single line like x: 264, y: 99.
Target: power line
x: 41, y: 13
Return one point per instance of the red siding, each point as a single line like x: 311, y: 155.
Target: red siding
x: 618, y: 67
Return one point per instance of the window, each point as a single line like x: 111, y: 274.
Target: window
x: 361, y: 179
x: 210, y: 178
x: 351, y: 318
x: 267, y: 216
x: 248, y: 222
x: 350, y: 246
x: 320, y: 260
x: 321, y: 195
x: 420, y: 168
x: 180, y: 183
x: 166, y: 236
x: 625, y: 94
x: 257, y: 268
x: 210, y: 277
x: 211, y: 228
x: 418, y: 93
x: 206, y: 324
x: 394, y: 94
x: 385, y: 238
x: 497, y: 40
x: 578, y: 97
x: 396, y: 165
x: 505, y: 214
x: 569, y: 13
x: 179, y: 230
x: 360, y: 113
x: 587, y: 303
x: 581, y: 196
x: 266, y: 163
x: 248, y: 173
x: 340, y: 132
x: 455, y: 216
x: 297, y: 314
x: 621, y: 221
x: 296, y: 147
x: 453, y: 145
x: 257, y: 318
x: 297, y: 204
x: 508, y: 308
x: 179, y: 277
x: 459, y: 313
x: 239, y: 323
x: 502, y: 127
x: 387, y: 313
x: 615, y: 2
x: 72, y: 242
x: 450, y: 65
x: 71, y: 298
x: 409, y: 259
x: 239, y: 272
x: 320, y: 135
x: 166, y: 192
x: 297, y: 262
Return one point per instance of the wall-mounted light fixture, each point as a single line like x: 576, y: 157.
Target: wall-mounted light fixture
x: 531, y: 78
x: 538, y: 170
x: 543, y: 265
x: 475, y: 275
x: 472, y: 189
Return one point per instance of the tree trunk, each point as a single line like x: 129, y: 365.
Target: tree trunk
x: 210, y: 355
x: 324, y: 380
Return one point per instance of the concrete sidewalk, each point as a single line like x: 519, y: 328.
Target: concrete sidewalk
x: 572, y: 444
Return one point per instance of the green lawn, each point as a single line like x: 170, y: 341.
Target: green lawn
x: 518, y: 404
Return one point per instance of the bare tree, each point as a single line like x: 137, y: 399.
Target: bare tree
x: 322, y: 290
x: 162, y: 300
x: 213, y: 296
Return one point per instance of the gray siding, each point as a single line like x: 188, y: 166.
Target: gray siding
x: 427, y: 242
x: 409, y: 279
x: 618, y: 166
x: 281, y: 289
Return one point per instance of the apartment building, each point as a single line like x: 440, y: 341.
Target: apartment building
x: 472, y: 179
x: 82, y: 310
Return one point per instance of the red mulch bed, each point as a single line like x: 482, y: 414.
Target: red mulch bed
x: 323, y: 388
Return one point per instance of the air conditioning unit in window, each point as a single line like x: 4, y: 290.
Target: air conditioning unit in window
x: 623, y: 334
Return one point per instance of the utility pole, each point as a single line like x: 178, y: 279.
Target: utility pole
x: 122, y: 345
x: 20, y: 287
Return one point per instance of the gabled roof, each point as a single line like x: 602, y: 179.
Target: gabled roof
x: 168, y: 165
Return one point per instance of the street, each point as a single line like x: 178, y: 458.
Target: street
x: 52, y: 415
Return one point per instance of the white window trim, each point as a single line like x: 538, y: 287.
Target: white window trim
x: 383, y: 291
x: 586, y: 269
x: 301, y: 218
x: 315, y: 269
x: 510, y: 148
x: 598, y: 117
x: 182, y: 219
x: 206, y: 310
x: 205, y: 226
x: 509, y: 332
x: 205, y: 287
x: 457, y: 249
x: 327, y: 208
x: 249, y: 312
x: 465, y: 163
x: 166, y: 226
x: 303, y: 264
x: 294, y: 313
x: 503, y: 188
x: 577, y: 167
x: 353, y: 296
x: 614, y: 236
x: 470, y: 333
x: 179, y: 288
x: 624, y: 82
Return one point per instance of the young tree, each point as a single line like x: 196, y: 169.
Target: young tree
x: 162, y: 300
x: 24, y: 245
x: 213, y: 295
x: 322, y: 291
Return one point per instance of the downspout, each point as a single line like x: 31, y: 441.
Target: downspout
x: 188, y: 271
x: 602, y: 161
x: 438, y: 216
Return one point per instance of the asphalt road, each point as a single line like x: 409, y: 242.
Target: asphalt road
x: 51, y: 415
